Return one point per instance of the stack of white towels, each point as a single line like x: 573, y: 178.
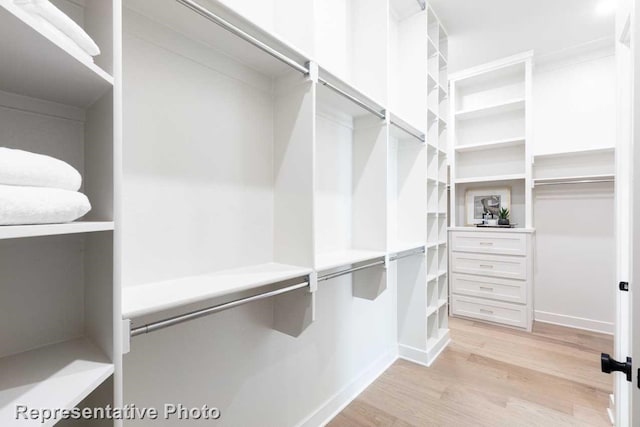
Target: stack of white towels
x: 60, y: 27
x: 38, y: 189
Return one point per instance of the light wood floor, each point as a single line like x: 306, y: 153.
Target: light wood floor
x: 493, y: 376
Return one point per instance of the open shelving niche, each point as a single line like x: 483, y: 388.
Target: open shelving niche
x: 597, y: 164
x: 351, y: 155
x: 346, y: 46
x: 490, y: 134
x: 256, y: 244
x: 58, y: 299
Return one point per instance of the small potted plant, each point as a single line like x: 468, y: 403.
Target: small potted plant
x: 503, y: 216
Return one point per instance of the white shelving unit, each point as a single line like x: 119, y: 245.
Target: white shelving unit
x: 286, y: 155
x: 490, y: 134
x: 59, y: 294
x: 424, y: 345
x: 574, y: 166
x: 491, y: 147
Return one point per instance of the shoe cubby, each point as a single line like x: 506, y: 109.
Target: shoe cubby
x: 432, y: 296
x: 443, y: 290
x: 442, y: 228
x: 432, y: 229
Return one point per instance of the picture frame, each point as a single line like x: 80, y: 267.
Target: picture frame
x: 480, y: 200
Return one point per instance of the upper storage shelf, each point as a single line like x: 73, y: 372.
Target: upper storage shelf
x: 145, y: 299
x: 216, y: 26
x: 35, y: 64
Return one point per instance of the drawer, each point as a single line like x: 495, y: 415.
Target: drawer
x: 489, y: 243
x: 491, y: 311
x: 489, y: 265
x: 490, y: 287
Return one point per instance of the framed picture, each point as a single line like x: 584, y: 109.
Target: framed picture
x: 479, y: 201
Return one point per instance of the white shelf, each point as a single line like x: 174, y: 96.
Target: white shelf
x: 33, y: 64
x: 21, y: 231
x: 503, y: 143
x: 431, y: 310
x: 443, y: 61
x: 490, y: 178
x: 490, y: 110
x: 141, y: 300
x: 432, y: 82
x: 432, y: 116
x: 331, y: 260
x: 56, y: 376
x: 442, y: 302
x: 405, y: 246
x: 574, y: 153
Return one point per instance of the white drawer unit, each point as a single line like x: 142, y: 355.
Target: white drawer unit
x: 489, y: 243
x: 490, y: 310
x: 489, y: 265
x: 489, y: 287
x: 491, y: 276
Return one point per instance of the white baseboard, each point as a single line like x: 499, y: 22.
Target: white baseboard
x: 336, y: 403
x: 575, y: 322
x: 414, y: 355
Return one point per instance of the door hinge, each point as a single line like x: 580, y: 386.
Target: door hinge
x: 624, y: 286
x: 609, y: 365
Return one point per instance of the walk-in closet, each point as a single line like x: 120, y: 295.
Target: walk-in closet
x: 317, y: 213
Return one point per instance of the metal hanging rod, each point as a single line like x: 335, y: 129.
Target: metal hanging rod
x: 419, y: 136
x: 162, y: 324
x: 581, y: 181
x: 379, y: 114
x: 349, y: 271
x: 422, y: 3
x: 419, y: 251
x: 206, y: 13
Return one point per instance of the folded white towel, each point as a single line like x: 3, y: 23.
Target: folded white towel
x: 18, y: 167
x: 62, y: 22
x: 34, y: 205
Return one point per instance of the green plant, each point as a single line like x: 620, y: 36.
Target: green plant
x: 504, y: 213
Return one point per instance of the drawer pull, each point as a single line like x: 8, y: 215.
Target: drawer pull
x: 486, y: 266
x: 484, y: 288
x: 486, y: 243
x: 483, y: 310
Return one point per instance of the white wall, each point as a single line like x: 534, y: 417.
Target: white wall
x: 574, y: 108
x: 574, y: 102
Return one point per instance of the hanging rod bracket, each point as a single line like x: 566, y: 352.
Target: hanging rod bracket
x: 314, y: 71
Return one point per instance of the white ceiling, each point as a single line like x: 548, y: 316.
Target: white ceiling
x: 484, y: 30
